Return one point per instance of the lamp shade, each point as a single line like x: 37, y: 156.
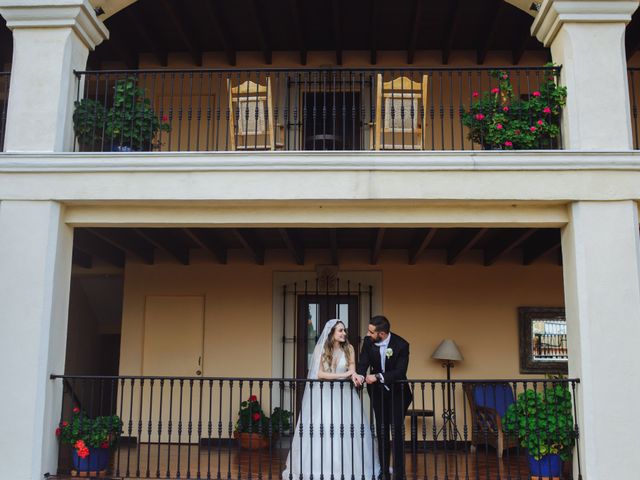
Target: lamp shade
x: 447, y: 350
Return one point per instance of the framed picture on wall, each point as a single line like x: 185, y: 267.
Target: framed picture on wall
x: 543, y: 340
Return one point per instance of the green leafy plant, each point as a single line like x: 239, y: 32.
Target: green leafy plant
x: 542, y: 421
x: 251, y: 419
x: 83, y: 432
x: 129, y: 124
x: 497, y: 119
x: 88, y: 123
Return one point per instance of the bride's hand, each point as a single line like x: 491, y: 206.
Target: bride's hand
x: 349, y: 373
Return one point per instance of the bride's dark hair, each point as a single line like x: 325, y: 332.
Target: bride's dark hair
x: 327, y: 351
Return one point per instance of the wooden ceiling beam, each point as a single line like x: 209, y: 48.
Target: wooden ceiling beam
x: 337, y: 29
x: 414, y: 31
x: 377, y: 246
x: 262, y: 30
x: 449, y: 30
x: 89, y: 244
x: 495, y: 7
x: 521, y: 40
x: 492, y: 254
x: 217, y: 20
x: 333, y: 245
x: 186, y: 32
x: 160, y: 238
x: 136, y: 22
x: 374, y: 32
x: 465, y: 243
x: 545, y: 242
x: 127, y: 241
x: 204, y: 239
x: 81, y: 259
x: 250, y: 243
x: 297, y: 15
x: 124, y: 50
x: 420, y: 245
x: 294, y: 245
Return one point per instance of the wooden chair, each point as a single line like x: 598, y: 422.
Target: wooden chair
x: 488, y: 403
x: 400, y: 115
x: 251, y: 119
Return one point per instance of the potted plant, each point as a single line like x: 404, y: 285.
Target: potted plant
x: 130, y: 124
x: 254, y: 429
x: 497, y: 119
x: 543, y: 424
x: 91, y: 439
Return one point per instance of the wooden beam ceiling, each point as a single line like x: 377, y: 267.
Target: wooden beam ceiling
x: 373, y: 26
x: 250, y: 243
x: 206, y: 240
x: 333, y: 245
x: 155, y: 43
x: 522, y: 37
x: 81, y: 259
x: 377, y: 246
x: 297, y: 13
x: 127, y: 241
x: 449, y: 30
x: 464, y: 243
x: 539, y: 245
x: 217, y: 20
x: 414, y: 31
x: 185, y: 31
x: 162, y: 239
x: 484, y: 44
x: 262, y: 30
x: 421, y: 242
x: 505, y: 245
x: 293, y: 244
x: 337, y: 29
x: 87, y: 243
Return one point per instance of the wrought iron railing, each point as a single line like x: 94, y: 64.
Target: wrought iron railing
x: 178, y: 427
x: 303, y: 109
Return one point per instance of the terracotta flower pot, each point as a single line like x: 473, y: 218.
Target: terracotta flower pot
x: 251, y: 441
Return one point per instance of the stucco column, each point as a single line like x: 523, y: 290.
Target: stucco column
x: 51, y: 38
x: 35, y: 270
x: 600, y: 251
x: 587, y: 38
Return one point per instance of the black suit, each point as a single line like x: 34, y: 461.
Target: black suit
x: 390, y: 402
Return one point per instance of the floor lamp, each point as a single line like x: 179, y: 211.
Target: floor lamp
x: 448, y: 353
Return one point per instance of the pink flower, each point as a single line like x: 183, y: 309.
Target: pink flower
x: 256, y: 417
x: 253, y: 398
x: 505, y: 76
x: 533, y: 129
x: 499, y: 126
x: 65, y: 423
x: 479, y: 116
x: 508, y: 144
x: 495, y: 90
x: 76, y: 410
x: 505, y: 109
x: 546, y: 110
x: 540, y: 122
x: 165, y: 119
x: 475, y: 94
x: 536, y: 94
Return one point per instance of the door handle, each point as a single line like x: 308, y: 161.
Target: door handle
x: 198, y: 372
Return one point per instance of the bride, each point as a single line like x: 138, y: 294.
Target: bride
x: 333, y: 435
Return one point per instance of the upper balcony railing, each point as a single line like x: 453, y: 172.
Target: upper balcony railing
x: 321, y: 109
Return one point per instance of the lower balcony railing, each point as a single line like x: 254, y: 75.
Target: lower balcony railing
x: 324, y: 109
x: 224, y: 428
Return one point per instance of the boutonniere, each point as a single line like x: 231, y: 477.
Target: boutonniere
x: 388, y: 353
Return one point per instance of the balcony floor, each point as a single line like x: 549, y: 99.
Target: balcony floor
x: 223, y: 463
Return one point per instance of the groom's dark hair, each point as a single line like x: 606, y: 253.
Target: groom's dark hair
x: 381, y: 323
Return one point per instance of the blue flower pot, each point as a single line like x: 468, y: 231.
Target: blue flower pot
x: 97, y: 460
x: 547, y: 466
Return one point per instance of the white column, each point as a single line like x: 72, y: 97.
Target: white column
x: 51, y: 38
x: 601, y: 258
x: 587, y: 38
x: 35, y: 271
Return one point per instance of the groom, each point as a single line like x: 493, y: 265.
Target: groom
x: 387, y: 355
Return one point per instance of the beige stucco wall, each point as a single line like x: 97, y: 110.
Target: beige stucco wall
x: 473, y: 304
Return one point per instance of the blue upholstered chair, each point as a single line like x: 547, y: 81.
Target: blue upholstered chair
x: 488, y: 403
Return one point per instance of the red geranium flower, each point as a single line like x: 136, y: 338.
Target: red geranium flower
x: 58, y: 431
x: 499, y: 126
x: 253, y: 398
x: 65, y: 423
x: 495, y: 90
x: 546, y: 110
x: 533, y: 129
x: 475, y: 94
x: 479, y: 116
x: 505, y: 76
x: 256, y: 417
x: 165, y: 118
x: 508, y: 144
x: 105, y: 444
x: 536, y: 94
x: 505, y: 109
x: 76, y: 410
x: 540, y: 122
x: 83, y: 452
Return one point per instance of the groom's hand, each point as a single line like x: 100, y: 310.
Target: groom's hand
x: 371, y: 379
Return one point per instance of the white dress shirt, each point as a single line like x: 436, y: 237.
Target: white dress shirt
x: 383, y: 353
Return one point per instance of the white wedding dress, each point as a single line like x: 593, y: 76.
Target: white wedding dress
x: 329, y: 416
